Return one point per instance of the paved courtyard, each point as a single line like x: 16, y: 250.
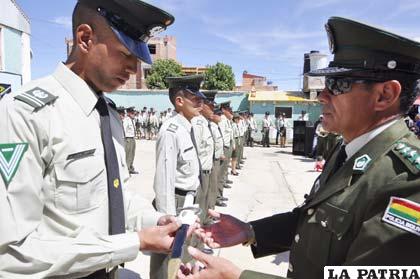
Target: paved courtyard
x: 271, y: 181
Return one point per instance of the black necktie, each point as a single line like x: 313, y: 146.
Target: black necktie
x: 214, y: 143
x: 196, y: 150
x: 115, y: 196
x: 341, y: 158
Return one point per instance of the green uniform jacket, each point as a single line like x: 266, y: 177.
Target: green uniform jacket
x: 341, y: 220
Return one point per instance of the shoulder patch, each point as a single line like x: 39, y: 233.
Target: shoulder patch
x: 409, y: 155
x: 10, y: 156
x: 172, y: 128
x: 404, y: 214
x: 36, y: 97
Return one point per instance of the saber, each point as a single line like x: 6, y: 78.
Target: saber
x: 187, y: 216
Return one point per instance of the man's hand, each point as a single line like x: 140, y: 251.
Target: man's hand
x: 227, y: 231
x: 214, y: 267
x: 159, y: 238
x: 166, y: 219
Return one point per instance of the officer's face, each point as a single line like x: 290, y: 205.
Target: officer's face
x: 108, y: 62
x: 190, y: 105
x: 351, y: 114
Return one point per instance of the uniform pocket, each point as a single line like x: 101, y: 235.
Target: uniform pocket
x: 326, y: 226
x: 187, y: 158
x: 81, y: 184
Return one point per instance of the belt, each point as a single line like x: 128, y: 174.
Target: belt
x: 206, y: 171
x: 182, y: 192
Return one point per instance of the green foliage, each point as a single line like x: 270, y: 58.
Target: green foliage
x: 161, y: 69
x: 219, y: 77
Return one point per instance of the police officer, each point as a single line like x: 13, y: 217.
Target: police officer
x: 64, y: 206
x: 267, y: 124
x: 218, y: 158
x: 227, y: 133
x: 177, y: 164
x: 364, y: 208
x: 130, y: 140
x: 205, y: 149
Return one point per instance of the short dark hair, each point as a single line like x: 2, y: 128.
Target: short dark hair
x: 410, y: 86
x: 175, y: 92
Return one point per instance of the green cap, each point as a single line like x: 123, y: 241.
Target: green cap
x: 210, y: 96
x: 191, y: 84
x: 360, y: 49
x: 225, y: 105
x: 134, y: 22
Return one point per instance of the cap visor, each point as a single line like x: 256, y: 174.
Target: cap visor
x: 137, y: 48
x: 197, y: 93
x: 330, y: 71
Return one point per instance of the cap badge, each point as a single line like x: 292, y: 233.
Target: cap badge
x: 330, y: 35
x: 392, y: 64
x: 156, y: 30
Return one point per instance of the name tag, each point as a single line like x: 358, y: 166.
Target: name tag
x: 80, y: 155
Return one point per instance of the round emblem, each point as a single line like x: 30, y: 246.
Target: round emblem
x: 156, y: 30
x: 331, y: 41
x: 40, y: 94
x: 392, y: 64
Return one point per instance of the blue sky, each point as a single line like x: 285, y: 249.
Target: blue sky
x: 266, y: 37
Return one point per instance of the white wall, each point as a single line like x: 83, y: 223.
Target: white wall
x: 26, y: 58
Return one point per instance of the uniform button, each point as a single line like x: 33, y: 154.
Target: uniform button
x: 310, y: 211
x: 297, y: 238
x: 290, y: 267
x: 324, y: 224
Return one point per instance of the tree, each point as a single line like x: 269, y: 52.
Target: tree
x: 161, y: 69
x: 219, y: 77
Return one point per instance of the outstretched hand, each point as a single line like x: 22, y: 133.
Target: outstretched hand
x: 225, y: 232
x: 214, y: 267
x: 159, y: 238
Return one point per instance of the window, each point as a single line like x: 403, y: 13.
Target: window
x: 286, y: 110
x: 152, y: 49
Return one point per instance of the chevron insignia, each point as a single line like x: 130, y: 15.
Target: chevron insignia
x: 10, y: 156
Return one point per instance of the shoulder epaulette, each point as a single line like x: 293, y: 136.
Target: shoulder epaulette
x: 172, y: 128
x: 36, y: 97
x: 409, y: 155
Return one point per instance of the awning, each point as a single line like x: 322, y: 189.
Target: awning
x: 278, y: 96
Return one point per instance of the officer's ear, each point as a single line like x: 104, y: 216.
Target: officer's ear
x: 84, y: 38
x: 388, y: 95
x: 179, y: 101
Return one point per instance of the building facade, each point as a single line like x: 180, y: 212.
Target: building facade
x: 15, y: 46
x: 255, y: 83
x: 159, y: 47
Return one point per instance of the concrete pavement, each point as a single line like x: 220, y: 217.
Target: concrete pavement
x: 272, y: 180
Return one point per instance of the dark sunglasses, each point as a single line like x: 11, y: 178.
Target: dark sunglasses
x: 339, y: 85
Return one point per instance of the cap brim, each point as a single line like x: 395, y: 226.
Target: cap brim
x: 197, y: 93
x: 137, y: 48
x: 331, y: 71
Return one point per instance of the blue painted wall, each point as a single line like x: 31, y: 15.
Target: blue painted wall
x: 12, y: 40
x: 159, y: 99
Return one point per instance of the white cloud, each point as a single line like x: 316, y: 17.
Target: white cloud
x: 279, y: 45
x: 311, y: 5
x: 404, y: 8
x: 63, y: 20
